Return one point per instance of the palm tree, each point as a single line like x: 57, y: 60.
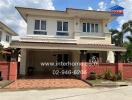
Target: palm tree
x: 127, y: 27
x: 117, y: 37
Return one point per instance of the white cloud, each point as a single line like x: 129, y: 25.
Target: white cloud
x: 4, y: 4
x: 113, y: 2
x: 127, y: 4
x: 10, y: 16
x: 90, y: 8
x: 102, y: 6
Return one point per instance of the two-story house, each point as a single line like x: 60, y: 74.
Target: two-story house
x: 6, y: 35
x: 62, y: 36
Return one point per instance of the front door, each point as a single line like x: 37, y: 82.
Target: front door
x: 62, y: 59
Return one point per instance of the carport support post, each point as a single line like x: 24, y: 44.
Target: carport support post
x: 23, y: 62
x: 83, y: 64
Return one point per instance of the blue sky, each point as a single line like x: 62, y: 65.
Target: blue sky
x: 82, y: 4
x: 85, y: 4
x: 10, y: 16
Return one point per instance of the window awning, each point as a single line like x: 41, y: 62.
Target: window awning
x: 65, y: 46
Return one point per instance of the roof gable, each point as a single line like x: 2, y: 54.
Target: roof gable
x: 7, y: 29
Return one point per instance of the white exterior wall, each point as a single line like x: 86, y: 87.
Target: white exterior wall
x: 51, y: 26
x: 74, y: 28
x: 3, y: 39
x: 110, y: 57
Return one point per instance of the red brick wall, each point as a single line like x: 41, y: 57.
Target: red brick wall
x: 4, y: 66
x: 127, y: 71
x: 8, y: 70
x: 99, y: 69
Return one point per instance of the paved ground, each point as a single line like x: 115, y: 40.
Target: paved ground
x: 122, y: 93
x: 47, y: 83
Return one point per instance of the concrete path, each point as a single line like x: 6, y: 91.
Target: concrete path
x: 122, y: 93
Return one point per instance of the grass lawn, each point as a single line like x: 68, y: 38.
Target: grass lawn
x: 5, y: 83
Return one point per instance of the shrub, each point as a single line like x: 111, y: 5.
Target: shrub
x: 92, y: 76
x: 115, y: 77
x: 119, y: 75
x: 108, y: 75
x: 100, y: 76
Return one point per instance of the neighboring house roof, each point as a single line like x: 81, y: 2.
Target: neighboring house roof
x: 7, y: 29
x: 65, y: 46
x: 69, y: 12
x: 117, y: 8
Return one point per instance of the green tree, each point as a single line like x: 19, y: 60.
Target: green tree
x: 117, y: 39
x: 127, y: 27
x: 1, y: 53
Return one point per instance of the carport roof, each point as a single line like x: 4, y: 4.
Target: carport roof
x: 65, y: 46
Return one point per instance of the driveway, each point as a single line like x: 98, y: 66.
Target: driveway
x: 47, y: 83
x: 122, y: 93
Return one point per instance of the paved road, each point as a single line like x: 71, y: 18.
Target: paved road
x: 122, y: 93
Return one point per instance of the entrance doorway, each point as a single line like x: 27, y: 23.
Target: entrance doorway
x: 92, y: 57
x: 63, y: 58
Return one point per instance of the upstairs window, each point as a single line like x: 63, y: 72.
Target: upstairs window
x: 62, y: 28
x: 65, y: 26
x: 0, y: 35
x: 90, y: 27
x: 40, y: 27
x: 37, y: 24
x: 96, y: 28
x: 7, y: 38
x: 59, y: 26
x: 84, y: 27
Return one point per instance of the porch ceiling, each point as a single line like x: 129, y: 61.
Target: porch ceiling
x: 65, y: 46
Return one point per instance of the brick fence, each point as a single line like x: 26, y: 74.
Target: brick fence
x: 8, y: 70
x: 125, y: 69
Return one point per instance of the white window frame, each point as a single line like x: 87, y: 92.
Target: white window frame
x: 90, y: 27
x: 40, y: 26
x: 62, y: 25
